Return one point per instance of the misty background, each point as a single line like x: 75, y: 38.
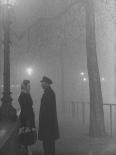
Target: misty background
x: 50, y: 37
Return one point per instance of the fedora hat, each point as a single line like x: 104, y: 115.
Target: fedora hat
x: 46, y: 79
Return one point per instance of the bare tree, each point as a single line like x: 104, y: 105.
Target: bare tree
x: 97, y: 127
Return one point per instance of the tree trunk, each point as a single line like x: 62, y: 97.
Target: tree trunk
x: 97, y: 127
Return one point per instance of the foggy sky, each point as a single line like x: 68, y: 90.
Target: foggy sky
x: 50, y: 35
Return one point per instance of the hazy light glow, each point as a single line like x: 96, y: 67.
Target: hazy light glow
x: 29, y: 71
x: 103, y: 79
x: 14, y: 85
x: 2, y: 132
x: 82, y: 73
x: 84, y: 79
x: 8, y: 2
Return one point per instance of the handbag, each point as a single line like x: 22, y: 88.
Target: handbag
x: 27, y: 136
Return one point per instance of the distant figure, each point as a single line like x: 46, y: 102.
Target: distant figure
x: 48, y: 123
x: 26, y: 117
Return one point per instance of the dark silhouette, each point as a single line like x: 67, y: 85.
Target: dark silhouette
x: 26, y: 117
x: 25, y: 101
x: 48, y: 123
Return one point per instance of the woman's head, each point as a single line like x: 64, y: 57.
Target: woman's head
x: 25, y: 86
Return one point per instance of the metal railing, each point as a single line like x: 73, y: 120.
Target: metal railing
x: 80, y: 107
x: 111, y: 115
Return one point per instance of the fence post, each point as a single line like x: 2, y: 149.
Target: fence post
x: 73, y: 109
x: 83, y: 112
x: 111, y: 119
x: 77, y: 110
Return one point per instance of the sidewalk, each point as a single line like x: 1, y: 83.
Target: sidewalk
x: 74, y: 140
x: 82, y: 145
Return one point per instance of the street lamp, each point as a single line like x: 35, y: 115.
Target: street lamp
x: 29, y: 71
x: 7, y: 111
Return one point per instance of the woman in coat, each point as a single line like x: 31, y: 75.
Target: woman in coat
x: 26, y: 117
x: 48, y: 123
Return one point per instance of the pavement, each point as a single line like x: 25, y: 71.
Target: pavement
x: 83, y: 145
x: 74, y: 140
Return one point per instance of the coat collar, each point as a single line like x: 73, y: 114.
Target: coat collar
x: 47, y: 89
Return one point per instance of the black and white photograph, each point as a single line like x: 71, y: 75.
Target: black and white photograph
x: 57, y: 77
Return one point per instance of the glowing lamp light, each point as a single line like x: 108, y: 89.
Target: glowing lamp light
x: 29, y: 71
x: 103, y: 79
x: 82, y: 73
x: 84, y: 79
x: 8, y: 2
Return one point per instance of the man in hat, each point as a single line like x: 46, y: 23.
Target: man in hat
x: 48, y: 123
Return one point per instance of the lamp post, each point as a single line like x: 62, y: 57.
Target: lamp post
x: 7, y: 112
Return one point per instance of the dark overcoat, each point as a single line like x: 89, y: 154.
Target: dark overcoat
x: 26, y: 117
x: 48, y: 123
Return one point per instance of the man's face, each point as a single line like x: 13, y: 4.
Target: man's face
x: 44, y: 85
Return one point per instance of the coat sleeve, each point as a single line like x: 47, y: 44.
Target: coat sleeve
x: 23, y: 105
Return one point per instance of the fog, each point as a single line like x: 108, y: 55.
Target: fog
x: 50, y: 37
